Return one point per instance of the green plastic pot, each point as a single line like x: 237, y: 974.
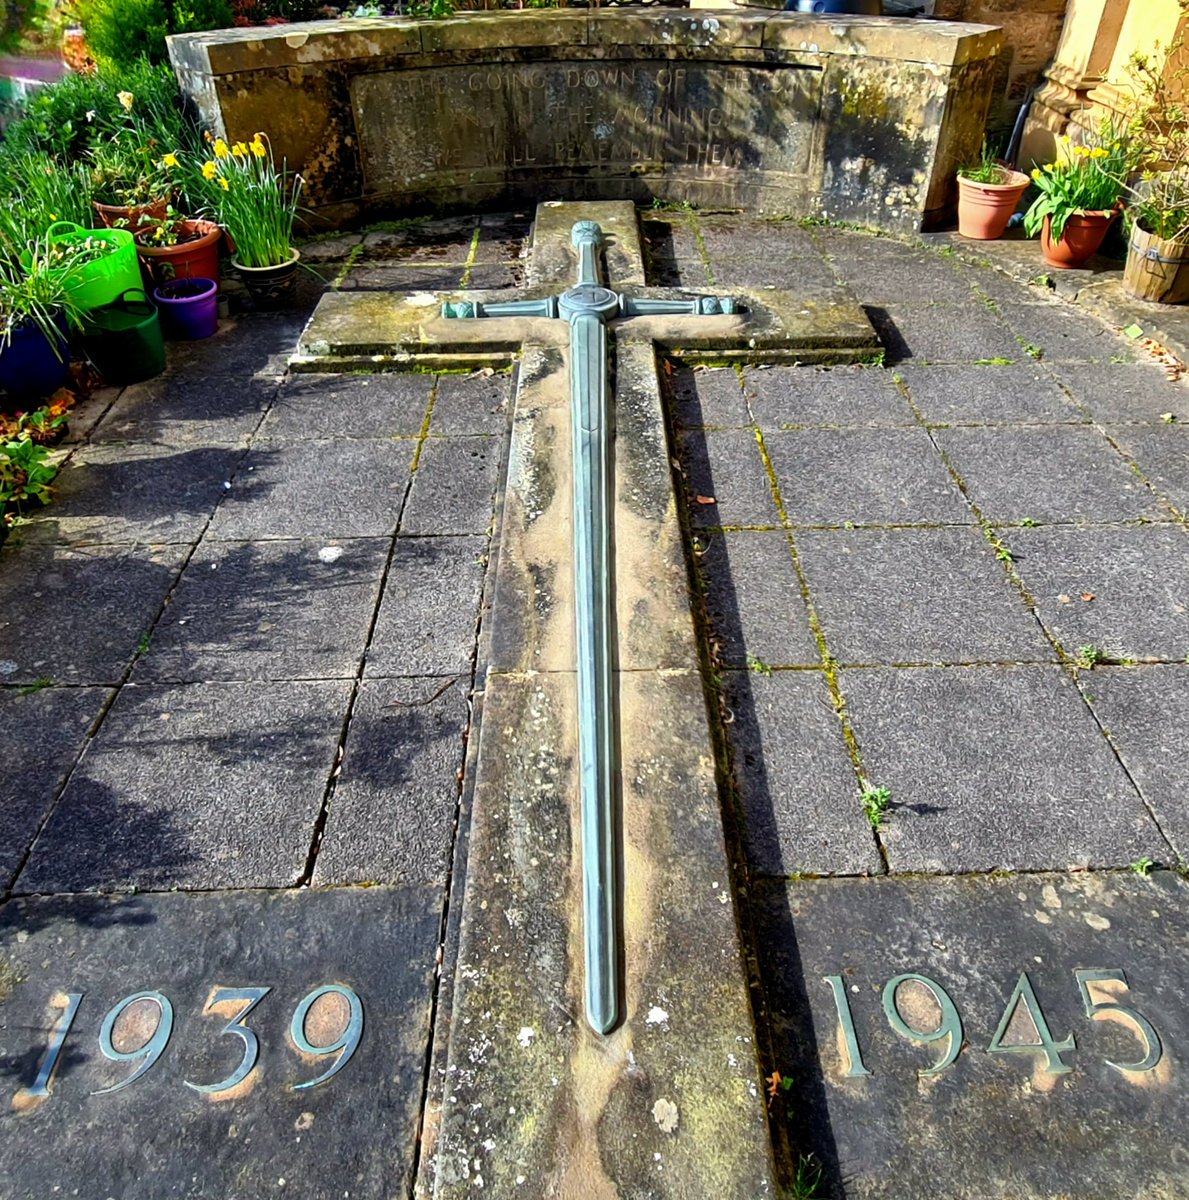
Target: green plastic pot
x: 105, y: 279
x: 123, y: 339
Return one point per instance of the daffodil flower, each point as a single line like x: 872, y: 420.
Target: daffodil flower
x: 258, y: 149
x: 209, y: 169
x: 239, y: 150
x: 126, y: 99
x: 170, y: 160
x: 223, y: 184
x: 221, y: 150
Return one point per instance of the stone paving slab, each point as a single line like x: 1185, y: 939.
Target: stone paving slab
x: 732, y: 459
x: 335, y: 488
x: 1023, y: 780
x: 1054, y: 474
x: 203, y: 786
x: 186, y: 410
x: 263, y: 1137
x: 56, y: 720
x: 453, y: 486
x: 864, y: 476
x: 393, y: 812
x: 348, y: 406
x: 1119, y: 393
x: 792, y: 397
x: 797, y: 786
x: 247, y: 349
x: 476, y: 403
x: 1145, y: 711
x: 373, y: 277
x: 917, y: 596
x: 708, y: 398
x: 268, y: 610
x: 1162, y: 454
x: 116, y: 492
x: 426, y: 623
x: 46, y: 633
x: 1062, y: 334
x: 989, y: 1125
x: 751, y: 591
x: 1023, y: 393
x: 942, y: 334
x: 1137, y: 575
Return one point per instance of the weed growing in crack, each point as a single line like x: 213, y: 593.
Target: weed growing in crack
x: 875, y: 802
x: 758, y: 665
x: 1088, y: 657
x: 807, y: 1182
x: 1142, y: 866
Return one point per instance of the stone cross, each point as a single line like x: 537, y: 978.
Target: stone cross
x: 588, y: 307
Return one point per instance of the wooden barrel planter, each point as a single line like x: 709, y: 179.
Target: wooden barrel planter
x: 1157, y: 268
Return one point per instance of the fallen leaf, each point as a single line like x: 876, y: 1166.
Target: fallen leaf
x: 705, y: 500
x: 1087, y: 596
x: 668, y: 366
x: 1063, y: 598
x: 773, y: 1081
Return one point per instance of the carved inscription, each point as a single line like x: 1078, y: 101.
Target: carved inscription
x: 921, y: 1011
x: 417, y: 127
x: 137, y: 1030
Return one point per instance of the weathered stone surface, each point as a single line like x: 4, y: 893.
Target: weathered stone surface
x: 56, y: 721
x: 262, y: 1137
x: 45, y: 634
x: 552, y: 260
x: 991, y: 394
x: 477, y: 403
x: 709, y: 398
x: 173, y: 793
x: 392, y: 815
x: 1064, y: 335
x: 917, y: 595
x: 1162, y: 455
x: 991, y: 1126
x: 753, y: 599
x: 854, y: 118
x: 453, y: 486
x: 1144, y: 711
x: 943, y: 334
x: 865, y: 476
x: 267, y: 610
x: 143, y: 493
x: 333, y: 488
x: 1119, y: 392
x: 427, y: 618
x: 1137, y: 576
x: 354, y: 406
x: 1025, y: 781
x: 586, y: 1118
x: 708, y: 459
x: 783, y: 397
x: 1054, y: 474
x: 800, y: 797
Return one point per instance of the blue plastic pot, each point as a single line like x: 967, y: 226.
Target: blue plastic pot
x: 33, y: 366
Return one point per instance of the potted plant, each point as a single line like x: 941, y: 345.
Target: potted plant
x: 177, y: 247
x: 1157, y: 206
x: 127, y: 184
x: 256, y: 204
x: 988, y: 192
x: 1079, y: 198
x: 36, y: 311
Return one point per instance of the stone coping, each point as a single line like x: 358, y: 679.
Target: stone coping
x: 858, y: 119
x: 944, y: 43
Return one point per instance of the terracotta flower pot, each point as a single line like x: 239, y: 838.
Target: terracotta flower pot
x: 1081, y: 238
x: 984, y: 209
x: 1157, y: 268
x: 128, y: 216
x: 197, y: 258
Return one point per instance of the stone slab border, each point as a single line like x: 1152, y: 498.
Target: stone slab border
x: 858, y: 119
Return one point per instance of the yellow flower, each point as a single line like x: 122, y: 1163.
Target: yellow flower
x: 1098, y: 152
x: 1065, y: 139
x: 1037, y: 173
x: 221, y: 150
x: 258, y: 149
x: 126, y: 99
x: 170, y: 160
x: 239, y: 150
x: 223, y: 184
x: 209, y: 169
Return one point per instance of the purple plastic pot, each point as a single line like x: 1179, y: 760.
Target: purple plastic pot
x: 189, y: 307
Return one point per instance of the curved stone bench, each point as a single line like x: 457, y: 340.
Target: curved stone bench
x: 849, y: 118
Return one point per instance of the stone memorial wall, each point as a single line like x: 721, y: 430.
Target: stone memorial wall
x: 848, y: 118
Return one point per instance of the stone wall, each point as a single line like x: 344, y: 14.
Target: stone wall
x: 851, y: 118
